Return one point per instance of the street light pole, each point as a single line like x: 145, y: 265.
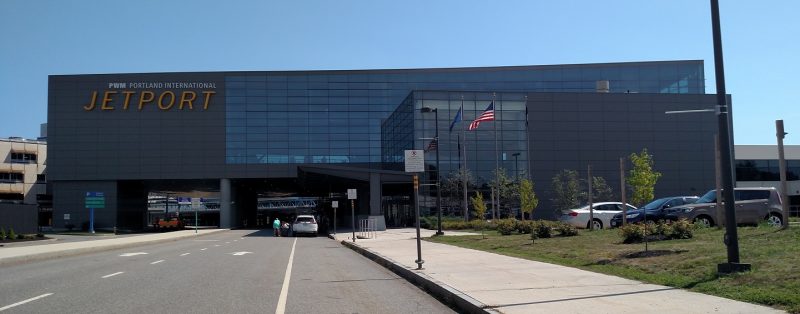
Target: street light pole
x: 780, y: 133
x: 438, y: 171
x: 731, y: 235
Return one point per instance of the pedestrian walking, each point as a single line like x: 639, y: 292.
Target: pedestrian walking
x: 276, y: 227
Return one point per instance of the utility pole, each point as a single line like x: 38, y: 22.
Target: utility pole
x: 782, y: 162
x: 622, y: 190
x: 731, y: 234
x: 591, y: 207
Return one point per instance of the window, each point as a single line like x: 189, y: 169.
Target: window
x: 23, y: 157
x: 41, y: 178
x: 11, y: 177
x: 746, y: 195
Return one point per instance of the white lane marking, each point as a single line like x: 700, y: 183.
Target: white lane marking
x: 240, y: 253
x: 114, y: 274
x: 184, y: 254
x: 205, y: 240
x: 203, y: 249
x: 156, y: 262
x: 132, y: 254
x: 235, y: 240
x: 227, y: 242
x: 285, y: 288
x: 216, y: 244
x: 25, y: 301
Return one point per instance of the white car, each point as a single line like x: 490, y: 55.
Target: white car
x: 603, y: 212
x: 304, y: 224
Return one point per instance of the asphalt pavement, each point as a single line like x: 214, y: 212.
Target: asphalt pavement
x: 238, y: 271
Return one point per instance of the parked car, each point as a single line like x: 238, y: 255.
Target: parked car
x: 653, y: 211
x: 603, y: 212
x: 753, y: 205
x: 305, y: 224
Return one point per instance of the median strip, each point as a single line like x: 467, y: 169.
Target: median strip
x: 24, y: 301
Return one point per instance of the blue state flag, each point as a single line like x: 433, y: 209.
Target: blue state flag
x: 457, y: 119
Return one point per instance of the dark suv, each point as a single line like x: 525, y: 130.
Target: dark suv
x: 753, y: 205
x: 653, y: 211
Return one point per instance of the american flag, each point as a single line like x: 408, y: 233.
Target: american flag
x: 487, y: 115
x: 433, y: 145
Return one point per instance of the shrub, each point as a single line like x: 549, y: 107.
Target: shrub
x: 566, y: 230
x: 632, y: 233
x: 2, y: 234
x: 11, y: 235
x: 455, y: 225
x: 506, y: 226
x: 664, y: 229
x: 681, y: 229
x: 543, y: 229
x: 525, y: 227
x: 429, y: 222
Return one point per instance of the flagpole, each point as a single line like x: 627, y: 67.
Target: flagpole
x: 528, y: 141
x: 496, y: 163
x: 464, y: 168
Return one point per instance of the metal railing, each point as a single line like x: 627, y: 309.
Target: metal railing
x: 367, y: 228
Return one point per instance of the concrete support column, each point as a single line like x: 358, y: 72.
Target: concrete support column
x: 225, y: 212
x: 375, y: 194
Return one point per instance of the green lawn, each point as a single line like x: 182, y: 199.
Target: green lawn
x: 690, y: 264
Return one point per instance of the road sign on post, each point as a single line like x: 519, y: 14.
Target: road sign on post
x: 415, y: 160
x: 94, y: 200
x: 415, y: 163
x: 196, y: 207
x: 351, y: 195
x: 335, y: 205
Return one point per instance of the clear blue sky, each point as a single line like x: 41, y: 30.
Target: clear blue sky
x: 39, y: 38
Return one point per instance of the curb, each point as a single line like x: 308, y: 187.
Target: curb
x: 449, y: 296
x: 14, y: 260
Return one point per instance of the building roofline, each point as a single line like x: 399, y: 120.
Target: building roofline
x: 400, y: 70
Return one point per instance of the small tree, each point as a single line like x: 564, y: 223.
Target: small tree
x: 504, y: 185
x: 527, y: 198
x: 601, y: 192
x: 642, y: 178
x: 479, y: 204
x: 453, y: 188
x: 565, y: 186
x: 480, y: 209
x: 2, y: 234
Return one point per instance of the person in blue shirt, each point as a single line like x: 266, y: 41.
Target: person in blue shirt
x: 276, y: 227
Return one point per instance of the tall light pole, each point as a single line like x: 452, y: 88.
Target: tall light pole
x: 731, y: 235
x: 438, y: 172
x: 516, y: 173
x: 780, y: 133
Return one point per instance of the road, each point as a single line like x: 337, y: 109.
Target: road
x: 238, y: 271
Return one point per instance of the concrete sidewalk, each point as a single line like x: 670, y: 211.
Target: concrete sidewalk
x: 478, y: 281
x: 21, y: 254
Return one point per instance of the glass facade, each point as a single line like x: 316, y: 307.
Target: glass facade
x: 335, y: 116
x: 765, y: 170
x: 499, y: 144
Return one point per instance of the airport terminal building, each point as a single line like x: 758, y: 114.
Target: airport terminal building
x: 255, y: 145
